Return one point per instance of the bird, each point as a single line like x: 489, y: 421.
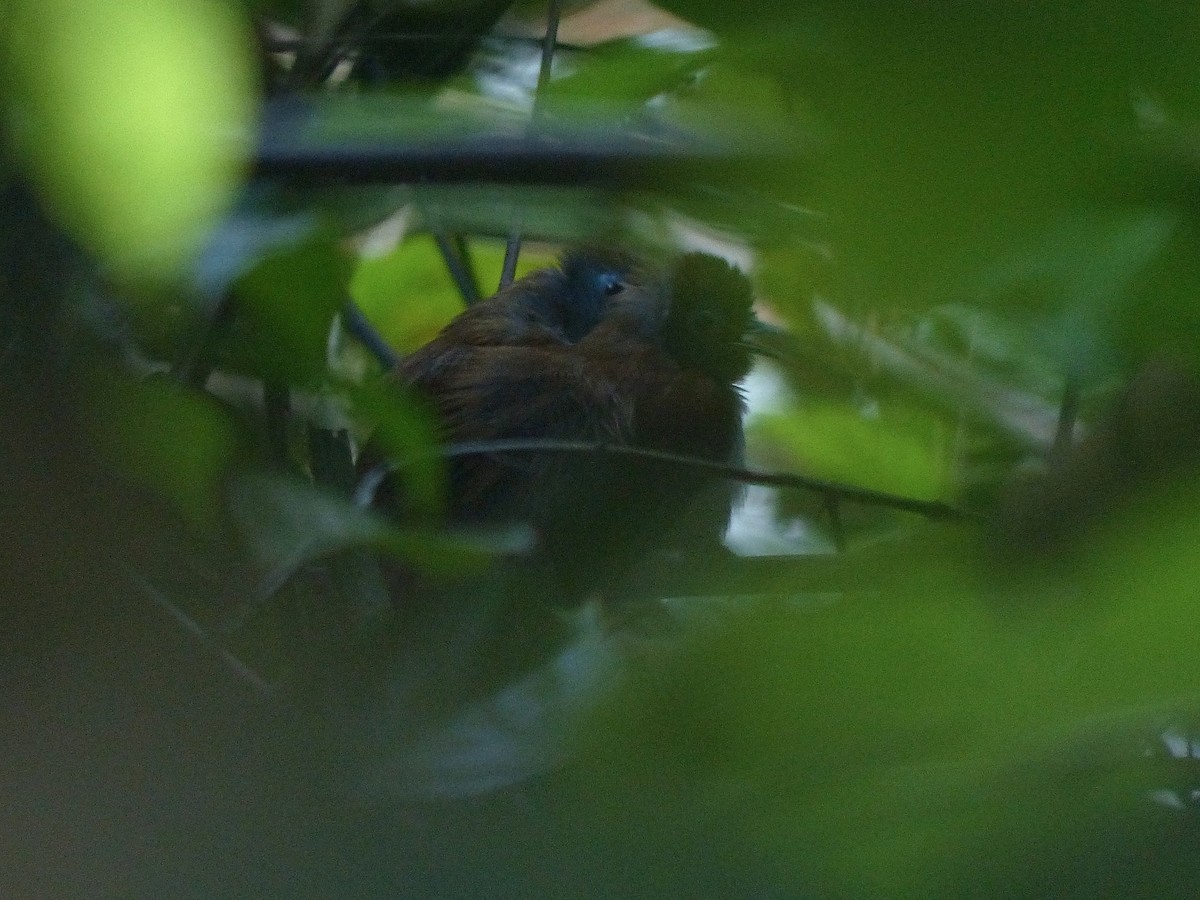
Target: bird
x: 503, y: 369
x: 613, y: 350
x: 675, y: 371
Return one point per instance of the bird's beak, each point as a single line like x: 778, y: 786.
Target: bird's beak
x: 763, y: 338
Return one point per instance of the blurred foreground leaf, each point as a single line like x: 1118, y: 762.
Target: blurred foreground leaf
x: 901, y: 451
x: 884, y: 743
x: 177, y: 443
x: 632, y: 70
x: 289, y: 523
x: 134, y: 119
x: 289, y: 301
x: 406, y: 435
x: 525, y: 731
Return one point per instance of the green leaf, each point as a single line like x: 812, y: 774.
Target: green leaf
x: 902, y: 451
x: 176, y: 442
x: 289, y: 523
x: 288, y: 302
x: 556, y: 215
x: 1088, y: 259
x: 135, y: 120
x: 1011, y: 348
x: 527, y: 729
x: 634, y: 69
x: 407, y: 436
x: 407, y: 293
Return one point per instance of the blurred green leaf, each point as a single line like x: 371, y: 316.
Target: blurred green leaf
x: 875, y: 743
x: 1143, y: 579
x: 270, y: 218
x: 178, y: 443
x: 406, y: 435
x: 551, y: 214
x: 1159, y: 316
x: 951, y: 132
x: 289, y: 301
x: 1085, y: 260
x: 1015, y: 351
x: 527, y: 730
x: 1071, y: 279
x: 290, y: 523
x: 635, y: 69
x: 134, y: 119
x: 727, y: 98
x: 901, y: 451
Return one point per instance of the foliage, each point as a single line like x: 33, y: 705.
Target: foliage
x: 133, y: 120
x: 976, y: 224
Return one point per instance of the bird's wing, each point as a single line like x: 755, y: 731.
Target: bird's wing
x: 497, y: 393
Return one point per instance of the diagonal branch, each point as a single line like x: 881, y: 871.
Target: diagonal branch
x: 932, y: 509
x: 252, y: 679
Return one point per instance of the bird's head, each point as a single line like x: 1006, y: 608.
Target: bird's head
x: 591, y: 280
x: 709, y: 317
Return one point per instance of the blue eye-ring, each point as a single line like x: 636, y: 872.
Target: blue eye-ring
x: 610, y: 283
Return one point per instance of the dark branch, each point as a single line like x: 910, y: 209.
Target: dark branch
x: 932, y: 509
x: 549, y: 44
x: 300, y: 140
x: 457, y: 263
x: 364, y: 332
x: 512, y: 248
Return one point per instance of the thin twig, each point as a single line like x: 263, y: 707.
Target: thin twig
x: 933, y: 509
x: 513, y: 247
x: 549, y: 43
x: 257, y: 683
x: 459, y: 240
x: 364, y: 332
x: 195, y: 364
x: 458, y: 267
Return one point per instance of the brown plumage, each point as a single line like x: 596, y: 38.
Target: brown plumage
x: 604, y: 349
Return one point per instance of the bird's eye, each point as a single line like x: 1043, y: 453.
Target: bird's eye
x: 610, y: 284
